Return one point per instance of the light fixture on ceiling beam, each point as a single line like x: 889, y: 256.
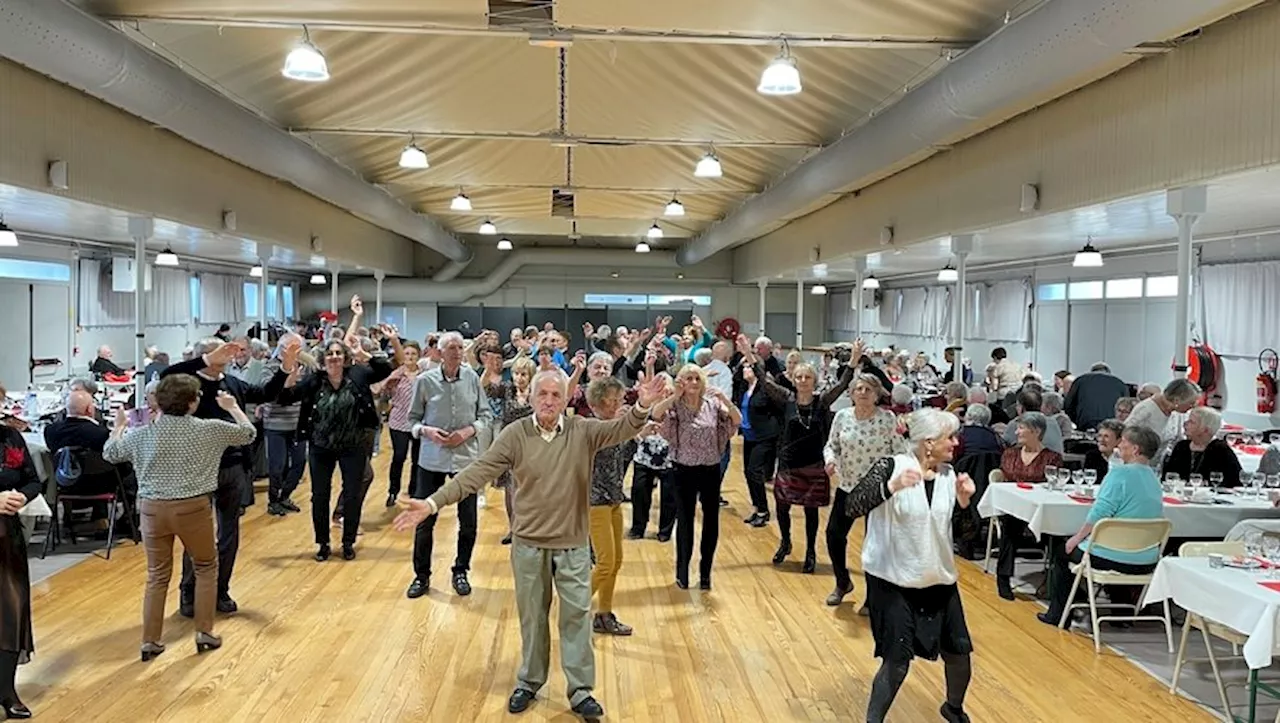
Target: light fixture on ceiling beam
x: 674, y: 207
x: 7, y: 236
x: 655, y: 231
x: 305, y: 62
x: 708, y: 166
x: 504, y: 244
x: 781, y: 76
x: 550, y: 39
x: 1087, y: 257
x: 615, y: 274
x: 487, y: 228
x: 460, y: 202
x: 948, y: 274
x: 818, y: 290
x: 167, y: 258
x: 318, y: 279
x: 820, y: 271
x: 256, y: 271
x: 871, y: 282
x: 642, y: 247
x: 414, y: 157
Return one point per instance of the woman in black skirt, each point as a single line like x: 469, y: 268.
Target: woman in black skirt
x: 802, y: 433
x: 911, y: 576
x: 19, y: 484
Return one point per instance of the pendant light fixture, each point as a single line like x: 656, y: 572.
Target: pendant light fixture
x: 305, y: 62
x: 487, y: 228
x: 782, y: 76
x: 7, y: 236
x: 818, y: 290
x: 256, y: 271
x: 655, y: 231
x: 674, y: 207
x: 1088, y: 257
x: 167, y: 258
x: 948, y: 274
x: 504, y: 244
x: 642, y: 247
x: 871, y: 282
x: 318, y: 279
x: 708, y: 166
x: 413, y: 157
x: 460, y: 202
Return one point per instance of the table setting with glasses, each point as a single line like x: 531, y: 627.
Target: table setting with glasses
x: 1060, y: 505
x: 1249, y: 446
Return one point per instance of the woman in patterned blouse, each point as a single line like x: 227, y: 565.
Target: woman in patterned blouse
x: 860, y: 435
x: 1023, y: 462
x: 512, y: 405
x: 606, y: 399
x: 399, y: 389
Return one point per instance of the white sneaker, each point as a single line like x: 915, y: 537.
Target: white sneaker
x: 480, y: 500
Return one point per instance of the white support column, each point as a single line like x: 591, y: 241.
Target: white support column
x: 333, y: 290
x: 140, y: 229
x: 262, y: 298
x: 1185, y: 205
x: 764, y: 285
x: 799, y: 313
x: 378, y: 277
x: 859, y: 273
x: 961, y: 247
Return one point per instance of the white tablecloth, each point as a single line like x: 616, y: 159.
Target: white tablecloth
x: 1227, y: 596
x: 39, y: 454
x: 1054, y: 513
x: 1248, y: 462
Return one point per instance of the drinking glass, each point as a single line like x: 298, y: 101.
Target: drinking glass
x: 1215, y: 481
x: 1273, y: 481
x: 1253, y: 543
x: 1051, y: 476
x: 1271, y: 551
x: 1091, y: 477
x: 1234, y: 439
x: 1256, y: 483
x: 1197, y: 481
x: 1077, y: 479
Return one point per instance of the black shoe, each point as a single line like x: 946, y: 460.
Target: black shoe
x: 682, y: 582
x: 635, y: 535
x: 751, y: 517
x: 953, y: 714
x: 391, y: 500
x: 724, y: 502
x: 15, y: 710
x: 348, y: 552
x: 626, y: 498
x: 417, y: 588
x: 761, y: 520
x: 520, y: 700
x: 323, y: 553
x: 784, y: 549
x: 588, y: 708
x: 1004, y: 587
x: 810, y: 563
x: 243, y: 510
x: 187, y: 608
x: 151, y: 651
x: 227, y: 605
x: 274, y: 509
x: 1049, y: 618
x: 664, y: 537
x: 507, y: 540
x: 460, y: 584
x: 288, y: 505
x: 206, y: 642
x: 705, y: 583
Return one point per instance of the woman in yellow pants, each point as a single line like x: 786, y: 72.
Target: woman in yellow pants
x: 605, y: 398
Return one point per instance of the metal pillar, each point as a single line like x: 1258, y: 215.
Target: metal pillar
x: 140, y: 229
x: 961, y: 247
x: 262, y: 300
x: 763, y: 284
x: 378, y: 277
x: 333, y: 290
x: 859, y: 273
x: 1185, y: 205
x: 799, y: 313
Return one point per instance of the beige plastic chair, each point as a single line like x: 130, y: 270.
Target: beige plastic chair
x: 1121, y: 536
x: 994, y: 477
x: 1208, y: 628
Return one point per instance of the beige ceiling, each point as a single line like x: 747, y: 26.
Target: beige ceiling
x: 469, y: 87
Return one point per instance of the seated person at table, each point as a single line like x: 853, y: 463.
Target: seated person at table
x: 1051, y: 407
x: 1178, y: 396
x: 1130, y: 491
x: 1023, y: 462
x: 1104, y: 455
x: 1124, y: 407
x: 1030, y: 399
x: 81, y: 429
x: 1200, y: 453
x: 103, y: 364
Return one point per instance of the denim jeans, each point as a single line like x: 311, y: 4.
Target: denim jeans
x: 286, y: 460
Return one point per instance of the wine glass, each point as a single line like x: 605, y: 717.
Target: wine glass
x: 1091, y: 479
x: 1271, y: 551
x: 1077, y: 479
x: 1215, y: 481
x: 1051, y: 476
x: 1253, y: 544
x: 1256, y: 483
x: 1172, y: 482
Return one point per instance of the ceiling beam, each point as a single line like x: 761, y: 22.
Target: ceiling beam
x: 566, y: 141
x: 568, y: 34
x: 720, y: 187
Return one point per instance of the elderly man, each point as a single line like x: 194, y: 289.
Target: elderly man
x: 286, y: 451
x: 764, y: 350
x: 103, y: 365
x: 448, y: 412
x: 82, y: 429
x: 1092, y: 397
x: 550, y: 455
x: 209, y: 365
x: 966, y: 373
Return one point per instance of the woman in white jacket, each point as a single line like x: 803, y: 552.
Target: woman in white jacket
x: 912, y: 595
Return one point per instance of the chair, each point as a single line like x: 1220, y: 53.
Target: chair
x: 1121, y: 536
x: 1208, y: 628
x: 995, y: 477
x: 91, y: 464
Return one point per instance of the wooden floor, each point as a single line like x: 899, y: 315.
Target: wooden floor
x: 340, y: 642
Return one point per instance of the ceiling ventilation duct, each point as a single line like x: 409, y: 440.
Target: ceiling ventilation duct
x: 562, y: 204
x: 56, y: 39
x: 1039, y: 52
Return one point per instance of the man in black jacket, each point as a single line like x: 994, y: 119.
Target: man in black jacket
x: 208, y: 365
x: 1093, y: 396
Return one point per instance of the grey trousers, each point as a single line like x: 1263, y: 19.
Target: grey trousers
x: 535, y: 570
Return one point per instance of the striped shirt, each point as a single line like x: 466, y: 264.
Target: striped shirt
x: 176, y: 458
x: 400, y: 385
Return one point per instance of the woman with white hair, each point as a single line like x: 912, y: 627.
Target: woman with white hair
x: 1154, y: 413
x: 902, y: 399
x: 912, y: 595
x: 1051, y: 406
x: 1201, y: 452
x: 1024, y: 462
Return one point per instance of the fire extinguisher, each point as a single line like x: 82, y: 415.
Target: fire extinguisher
x: 1266, y: 382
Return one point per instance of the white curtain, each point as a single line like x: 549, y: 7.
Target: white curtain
x: 221, y: 299
x: 1241, y: 307
x: 841, y: 316
x: 1004, y: 311
x: 890, y: 301
x: 937, y: 314
x: 911, y: 313
x: 167, y: 303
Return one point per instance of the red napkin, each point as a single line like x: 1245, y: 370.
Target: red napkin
x: 1081, y: 499
x: 1232, y: 428
x: 1253, y: 450
x: 1025, y: 486
x: 1271, y: 585
x: 1173, y: 501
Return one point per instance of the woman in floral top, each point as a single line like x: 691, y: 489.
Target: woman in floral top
x: 606, y: 399
x: 512, y: 399
x: 403, y: 444
x: 652, y: 464
x: 860, y: 435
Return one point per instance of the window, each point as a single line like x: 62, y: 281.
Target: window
x: 660, y: 300
x: 1078, y: 290
x: 1052, y: 292
x: 34, y: 270
x: 194, y: 284
x: 288, y: 301
x: 645, y: 300
x: 250, y: 300
x: 1124, y: 289
x: 1162, y: 286
x: 273, y: 302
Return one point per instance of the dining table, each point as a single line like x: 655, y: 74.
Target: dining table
x: 37, y: 508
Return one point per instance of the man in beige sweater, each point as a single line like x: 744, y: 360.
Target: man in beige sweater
x: 550, y: 456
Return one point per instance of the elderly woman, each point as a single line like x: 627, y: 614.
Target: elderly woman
x: 979, y: 453
x: 697, y: 425
x: 1154, y: 413
x: 923, y: 374
x: 860, y: 435
x: 1051, y: 406
x: 1147, y: 391
x: 176, y: 459
x: 911, y: 575
x: 1200, y: 453
x: 398, y: 388
x: 605, y: 395
x: 599, y: 366
x: 1130, y: 491
x: 1124, y: 407
x: 1004, y: 376
x: 902, y: 399
x: 957, y: 398
x: 19, y: 484
x: 1100, y: 459
x: 1023, y: 462
x: 141, y: 416
x: 653, y: 469
x: 514, y: 405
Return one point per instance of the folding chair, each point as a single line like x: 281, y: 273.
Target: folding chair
x: 1121, y: 536
x: 1208, y: 628
x: 91, y: 464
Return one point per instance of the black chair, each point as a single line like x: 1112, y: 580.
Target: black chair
x: 91, y: 465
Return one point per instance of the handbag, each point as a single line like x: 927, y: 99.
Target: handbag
x: 67, y: 469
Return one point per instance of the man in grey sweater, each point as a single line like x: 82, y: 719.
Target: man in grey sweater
x: 550, y: 456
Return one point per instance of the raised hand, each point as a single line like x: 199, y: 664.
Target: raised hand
x: 224, y: 354
x: 357, y: 306
x: 227, y: 402
x: 412, y: 513
x: 651, y: 390
x: 743, y: 344
x: 390, y: 331
x: 579, y: 360
x: 908, y: 478
x: 587, y: 329
x: 696, y: 322
x: 965, y: 488
x: 289, y: 357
